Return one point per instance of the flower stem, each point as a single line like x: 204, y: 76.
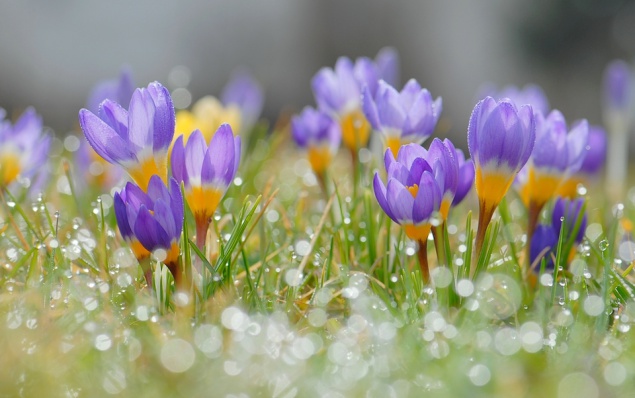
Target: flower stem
x: 485, y: 216
x: 422, y: 254
x: 439, y: 244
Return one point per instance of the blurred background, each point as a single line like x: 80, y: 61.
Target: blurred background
x: 53, y: 52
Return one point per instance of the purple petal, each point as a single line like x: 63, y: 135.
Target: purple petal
x: 618, y: 85
x: 176, y: 205
x: 400, y: 201
x: 380, y: 195
x: 104, y: 140
x: 164, y: 117
x: 149, y: 232
x: 466, y: 180
x: 370, y: 108
x: 366, y: 74
x: 141, y: 120
x: 121, y: 214
x: 596, y: 151
x: 163, y: 215
x: 390, y: 112
x: 428, y: 198
x: 178, y: 161
x: 115, y: 116
x: 195, y: 150
x: 408, y: 153
x: 219, y: 163
x: 157, y: 190
x: 543, y: 240
x: 577, y: 142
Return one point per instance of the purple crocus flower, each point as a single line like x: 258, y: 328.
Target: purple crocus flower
x: 412, y: 195
x: 338, y: 92
x: 206, y: 172
x: 500, y: 138
x: 594, y: 158
x: 118, y: 90
x: 152, y: 220
x: 409, y: 116
x: 545, y: 237
x: 556, y: 155
x: 595, y: 154
x: 23, y: 147
x: 315, y: 131
x: 466, y: 178
x: 543, y: 245
x: 618, y: 95
x: 137, y: 139
x: 245, y: 93
x: 568, y: 211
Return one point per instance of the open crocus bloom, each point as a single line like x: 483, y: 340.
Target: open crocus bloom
x: 412, y: 195
x: 409, y: 116
x: 138, y: 138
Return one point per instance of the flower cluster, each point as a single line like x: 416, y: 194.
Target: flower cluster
x: 149, y: 212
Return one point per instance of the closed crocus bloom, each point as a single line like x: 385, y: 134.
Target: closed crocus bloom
x: 466, y: 178
x: 245, y: 93
x: 594, y: 158
x: 618, y: 94
x: 409, y: 116
x: 138, y: 138
x: 338, y: 92
x: 153, y: 220
x: 556, y: 155
x: 316, y: 132
x: 500, y: 138
x: 23, y: 146
x: 618, y: 107
x: 412, y: 195
x: 206, y: 172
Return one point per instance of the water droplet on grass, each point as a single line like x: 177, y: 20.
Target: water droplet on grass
x: 177, y: 355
